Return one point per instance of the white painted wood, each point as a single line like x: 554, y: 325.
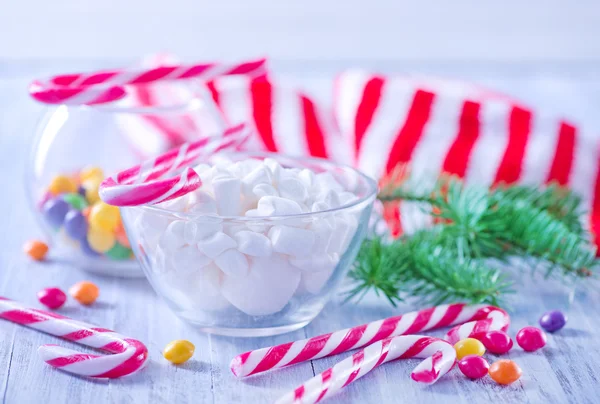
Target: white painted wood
x: 429, y: 30
x: 565, y: 371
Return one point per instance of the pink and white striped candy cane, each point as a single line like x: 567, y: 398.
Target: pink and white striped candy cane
x: 475, y: 320
x: 107, y: 86
x: 129, y: 355
x: 145, y: 184
x: 439, y: 358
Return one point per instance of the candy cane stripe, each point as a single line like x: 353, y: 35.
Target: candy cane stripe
x: 562, y: 163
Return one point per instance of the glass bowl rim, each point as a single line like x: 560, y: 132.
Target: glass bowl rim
x: 370, y: 194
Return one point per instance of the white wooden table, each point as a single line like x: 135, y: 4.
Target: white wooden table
x: 565, y: 371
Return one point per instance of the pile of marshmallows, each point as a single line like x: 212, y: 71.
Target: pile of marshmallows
x: 209, y: 262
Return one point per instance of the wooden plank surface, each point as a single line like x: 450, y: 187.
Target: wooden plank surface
x: 565, y: 371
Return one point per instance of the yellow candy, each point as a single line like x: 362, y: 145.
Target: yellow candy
x: 179, y: 351
x: 100, y: 240
x: 89, y: 173
x: 62, y: 184
x: 468, y: 346
x: 91, y: 190
x: 104, y: 217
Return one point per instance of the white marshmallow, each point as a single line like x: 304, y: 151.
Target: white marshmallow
x: 323, y: 231
x: 260, y: 175
x: 319, y: 207
x: 179, y: 204
x: 315, y: 263
x: 232, y: 262
x: 201, y: 203
x: 277, y: 206
x: 233, y: 228
x: 346, y: 198
x: 159, y: 261
x: 253, y: 244
x: 307, y: 177
x: 227, y: 194
x: 173, y: 236
x: 267, y: 289
x: 264, y: 190
x: 216, y: 245
x: 198, y: 230
x: 202, y: 168
x: 313, y: 282
x: 292, y: 240
x: 331, y: 198
x: 293, y: 188
x: 325, y: 181
x: 343, y: 232
x: 274, y: 167
x: 188, y: 260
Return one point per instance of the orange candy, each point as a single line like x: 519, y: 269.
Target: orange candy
x: 505, y: 371
x: 121, y: 236
x: 36, y: 249
x: 85, y: 292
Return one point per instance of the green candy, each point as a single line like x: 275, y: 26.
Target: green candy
x: 118, y: 252
x: 76, y: 201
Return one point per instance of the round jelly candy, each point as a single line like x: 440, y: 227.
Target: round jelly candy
x: 36, y: 249
x: 473, y: 366
x: 75, y: 200
x: 497, y: 342
x: 118, y: 252
x: 103, y: 216
x: 531, y: 338
x: 52, y: 298
x: 86, y: 249
x: 505, y: 371
x: 62, y: 184
x: 81, y: 190
x: 85, y: 292
x: 553, y: 320
x: 468, y: 346
x: 100, y: 240
x: 76, y: 225
x: 91, y: 191
x: 91, y: 173
x: 55, y: 211
x: 179, y: 351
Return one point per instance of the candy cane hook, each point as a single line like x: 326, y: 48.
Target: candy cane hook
x: 129, y: 355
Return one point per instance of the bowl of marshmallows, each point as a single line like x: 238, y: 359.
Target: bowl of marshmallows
x: 260, y: 247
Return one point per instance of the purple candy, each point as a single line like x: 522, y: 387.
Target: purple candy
x: 55, y: 211
x: 553, y: 320
x: 75, y: 225
x: 81, y: 190
x: 87, y: 250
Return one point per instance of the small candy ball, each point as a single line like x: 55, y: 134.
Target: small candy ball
x: 36, y: 249
x: 91, y: 173
x: 76, y: 225
x: 473, y: 366
x: 505, y: 371
x: 86, y: 249
x: 497, y: 342
x: 468, y: 346
x: 179, y: 351
x: 118, y: 252
x: 75, y: 200
x: 553, y: 320
x: 85, y: 292
x: 55, y: 211
x: 62, y: 184
x: 52, y: 298
x: 100, y: 240
x: 91, y: 191
x: 531, y: 338
x: 81, y: 190
x: 104, y: 216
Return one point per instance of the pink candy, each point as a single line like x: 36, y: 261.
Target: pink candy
x: 531, y: 339
x: 52, y: 298
x: 473, y: 366
x: 497, y: 342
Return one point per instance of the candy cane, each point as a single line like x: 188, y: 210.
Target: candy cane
x: 130, y: 355
x: 439, y: 358
x: 475, y: 320
x: 145, y: 184
x: 107, y: 86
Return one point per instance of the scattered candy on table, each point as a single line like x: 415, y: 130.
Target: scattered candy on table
x: 473, y: 366
x: 36, y: 249
x: 52, y: 298
x: 553, y: 320
x: 72, y: 204
x: 531, y: 338
x: 469, y: 346
x: 85, y: 292
x: 179, y: 351
x: 505, y: 371
x: 497, y: 342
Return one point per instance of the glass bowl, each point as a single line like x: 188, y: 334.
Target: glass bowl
x: 281, y: 290
x: 75, y: 145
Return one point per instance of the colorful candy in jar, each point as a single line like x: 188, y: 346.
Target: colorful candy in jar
x: 71, y: 206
